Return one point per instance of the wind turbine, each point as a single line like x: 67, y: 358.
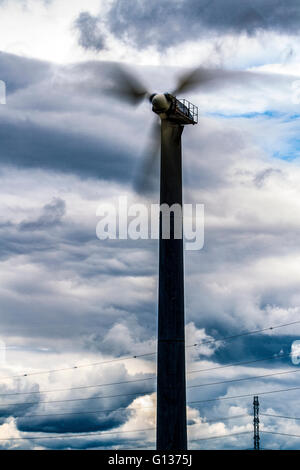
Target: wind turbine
x: 174, y: 115
x: 171, y: 381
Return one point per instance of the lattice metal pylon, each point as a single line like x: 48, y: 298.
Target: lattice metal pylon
x: 256, y: 422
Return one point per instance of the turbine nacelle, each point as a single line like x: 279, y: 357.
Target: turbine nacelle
x: 167, y: 106
x: 161, y: 103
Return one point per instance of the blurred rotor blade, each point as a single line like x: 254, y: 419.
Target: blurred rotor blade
x: 212, y: 78
x: 148, y: 172
x: 127, y: 86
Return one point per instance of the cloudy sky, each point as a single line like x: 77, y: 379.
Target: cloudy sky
x: 69, y: 299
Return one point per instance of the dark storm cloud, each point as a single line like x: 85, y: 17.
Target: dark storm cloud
x: 163, y: 23
x: 255, y: 347
x: 89, y: 414
x: 12, y: 404
x: 30, y: 145
x: 90, y: 36
x: 64, y: 119
x: 70, y: 145
x: 84, y: 422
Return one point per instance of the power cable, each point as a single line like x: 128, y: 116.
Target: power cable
x: 246, y: 395
x: 146, y: 379
x: 118, y: 409
x: 233, y: 364
x: 279, y: 416
x: 280, y: 433
x: 68, y: 436
x: 245, y: 378
x: 151, y: 377
x: 225, y: 338
x: 147, y: 392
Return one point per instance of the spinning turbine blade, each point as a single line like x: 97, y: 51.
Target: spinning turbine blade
x: 127, y: 86
x: 210, y: 78
x: 147, y: 177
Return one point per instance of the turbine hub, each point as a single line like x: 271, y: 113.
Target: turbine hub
x: 160, y: 103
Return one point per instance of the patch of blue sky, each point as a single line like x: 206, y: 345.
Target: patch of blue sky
x: 289, y: 148
x: 291, y: 151
x: 286, y: 117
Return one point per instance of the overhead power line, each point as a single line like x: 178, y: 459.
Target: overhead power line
x: 151, y: 377
x: 216, y: 420
x: 147, y: 392
x: 245, y: 333
x: 245, y: 395
x: 83, y: 387
x: 75, y: 367
x: 67, y: 436
x: 226, y: 418
x: 79, y: 412
x: 125, y: 358
x: 280, y: 416
x: 245, y: 378
x: 220, y: 436
x: 76, y: 399
x: 34, y: 392
x: 239, y: 363
x: 78, y: 436
x: 281, y: 433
